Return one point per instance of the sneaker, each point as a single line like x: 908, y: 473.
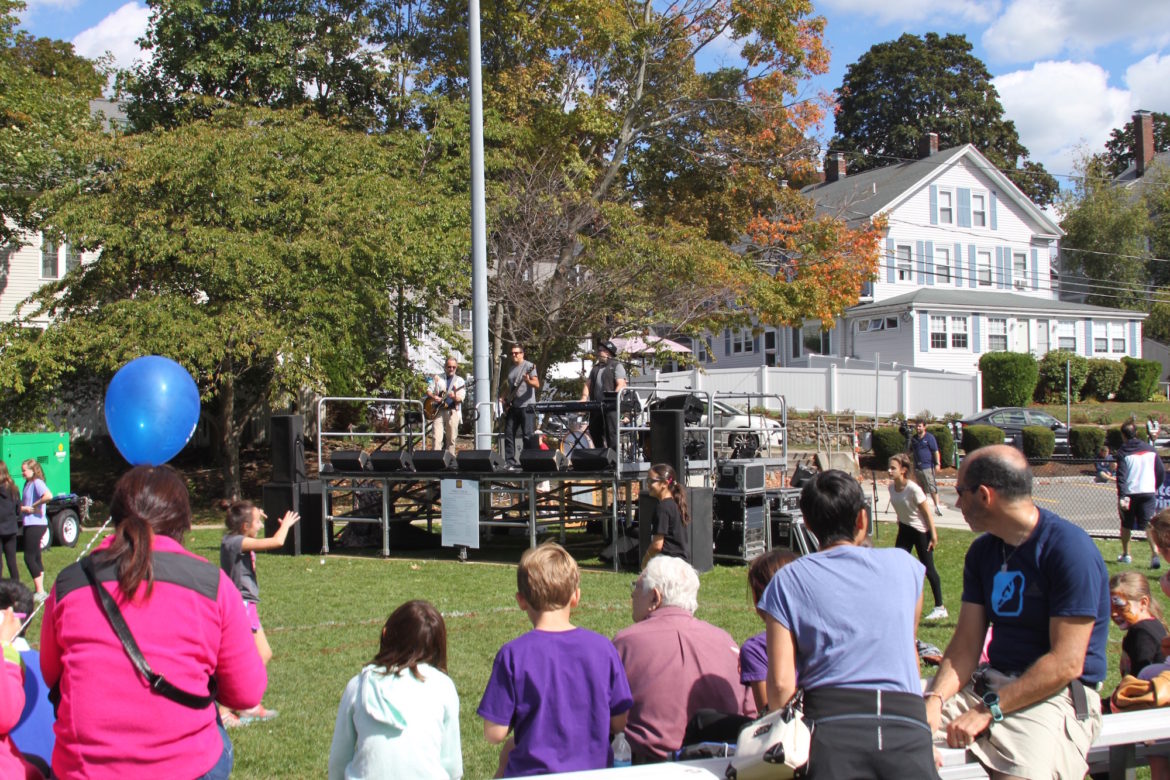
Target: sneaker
x: 257, y: 714
x: 938, y: 510
x: 938, y: 613
x: 929, y: 653
x: 1155, y: 562
x: 1124, y: 559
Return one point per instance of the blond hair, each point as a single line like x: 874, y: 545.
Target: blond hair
x: 1134, y: 586
x: 547, y: 577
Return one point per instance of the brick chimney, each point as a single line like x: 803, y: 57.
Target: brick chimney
x: 1143, y: 141
x: 927, y: 145
x: 834, y: 166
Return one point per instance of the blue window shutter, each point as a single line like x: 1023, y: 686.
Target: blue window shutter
x: 963, y: 196
x: 727, y: 341
x: 919, y: 249
x: 971, y: 265
x: 758, y: 350
x: 1007, y: 268
x: 934, y: 204
x: 975, y: 346
x: 930, y: 262
x: 958, y: 264
x: 891, y: 261
x: 1133, y: 338
x: 1035, y: 270
x: 1088, y: 337
x: 997, y: 280
x: 992, y: 209
x: 924, y: 331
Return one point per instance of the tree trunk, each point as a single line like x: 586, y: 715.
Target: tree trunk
x: 229, y: 437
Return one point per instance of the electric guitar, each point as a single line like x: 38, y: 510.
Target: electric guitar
x: 510, y: 398
x: 431, y: 407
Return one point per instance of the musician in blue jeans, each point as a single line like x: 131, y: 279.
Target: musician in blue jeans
x: 518, y: 397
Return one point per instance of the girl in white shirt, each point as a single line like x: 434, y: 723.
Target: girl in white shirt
x: 916, y: 529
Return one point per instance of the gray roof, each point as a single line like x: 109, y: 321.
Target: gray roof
x: 975, y: 300
x: 1129, y: 177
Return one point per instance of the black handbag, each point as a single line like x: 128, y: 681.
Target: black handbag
x: 158, y: 683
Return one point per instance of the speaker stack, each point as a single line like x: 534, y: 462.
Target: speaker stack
x: 740, y: 511
x: 291, y: 489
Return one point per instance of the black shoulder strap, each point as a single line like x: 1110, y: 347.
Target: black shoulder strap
x: 158, y: 683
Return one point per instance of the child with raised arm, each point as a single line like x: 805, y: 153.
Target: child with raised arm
x: 237, y: 557
x: 560, y: 689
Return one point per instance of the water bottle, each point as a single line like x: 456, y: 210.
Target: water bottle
x: 622, y: 756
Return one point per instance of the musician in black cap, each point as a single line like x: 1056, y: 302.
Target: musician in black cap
x: 608, y: 375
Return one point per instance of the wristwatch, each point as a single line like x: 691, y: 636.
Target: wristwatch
x: 991, y: 701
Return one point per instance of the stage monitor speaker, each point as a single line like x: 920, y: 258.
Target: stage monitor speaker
x: 304, y: 498
x: 689, y: 404
x: 349, y: 460
x: 542, y: 461
x: 479, y: 461
x: 433, y: 460
x: 593, y: 459
x: 699, y: 502
x: 388, y: 462
x: 666, y: 440
x: 287, y: 436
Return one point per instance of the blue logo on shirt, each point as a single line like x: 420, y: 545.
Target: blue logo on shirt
x: 1007, y: 593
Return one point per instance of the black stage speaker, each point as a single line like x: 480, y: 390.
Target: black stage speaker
x: 542, y: 461
x: 433, y: 460
x: 395, y: 460
x: 304, y: 498
x: 288, y: 448
x: 593, y: 459
x: 349, y: 460
x: 480, y: 461
x: 699, y: 500
x: 666, y: 439
x: 690, y: 405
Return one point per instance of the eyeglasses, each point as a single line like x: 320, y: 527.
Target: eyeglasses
x: 452, y: 368
x: 517, y: 352
x: 961, y: 489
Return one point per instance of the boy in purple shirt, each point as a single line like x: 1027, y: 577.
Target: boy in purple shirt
x: 562, y: 689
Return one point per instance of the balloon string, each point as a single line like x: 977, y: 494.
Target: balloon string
x: 97, y: 534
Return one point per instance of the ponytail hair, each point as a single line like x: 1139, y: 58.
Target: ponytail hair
x: 678, y: 492
x: 414, y: 634
x: 148, y: 500
x: 35, y: 467
x: 1134, y: 586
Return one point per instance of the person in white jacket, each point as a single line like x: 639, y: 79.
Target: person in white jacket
x: 399, y: 717
x: 1139, y: 476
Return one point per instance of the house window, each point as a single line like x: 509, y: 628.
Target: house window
x: 742, y: 341
x: 462, y: 316
x: 997, y: 334
x: 983, y: 268
x: 1117, y: 331
x: 959, y: 332
x: 816, y: 339
x: 905, y: 273
x: 50, y: 260
x: 72, y: 257
x: 946, y: 213
x: 1100, y: 337
x: 863, y: 326
x: 978, y: 210
x: 1020, y: 270
x: 1066, y: 335
x: 891, y: 323
x: 938, y: 332
x: 942, y: 265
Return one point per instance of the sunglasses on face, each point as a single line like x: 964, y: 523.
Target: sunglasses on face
x: 961, y: 489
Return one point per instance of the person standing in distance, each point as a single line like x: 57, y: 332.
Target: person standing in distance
x: 924, y: 449
x: 520, y: 386
x: 1041, y: 583
x: 448, y: 390
x: 608, y: 375
x: 1139, y: 475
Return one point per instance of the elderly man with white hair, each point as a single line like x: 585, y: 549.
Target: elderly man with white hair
x: 676, y: 663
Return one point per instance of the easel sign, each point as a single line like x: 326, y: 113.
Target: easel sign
x: 460, y: 512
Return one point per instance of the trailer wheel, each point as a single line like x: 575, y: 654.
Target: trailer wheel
x: 66, y: 528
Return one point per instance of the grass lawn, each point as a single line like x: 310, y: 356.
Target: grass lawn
x: 323, y: 621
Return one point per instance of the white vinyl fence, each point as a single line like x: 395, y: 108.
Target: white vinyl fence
x: 835, y: 390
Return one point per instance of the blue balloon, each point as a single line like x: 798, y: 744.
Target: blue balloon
x: 152, y: 408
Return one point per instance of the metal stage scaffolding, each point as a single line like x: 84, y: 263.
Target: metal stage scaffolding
x: 392, y: 494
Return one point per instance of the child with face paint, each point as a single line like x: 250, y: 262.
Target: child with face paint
x: 1135, y: 612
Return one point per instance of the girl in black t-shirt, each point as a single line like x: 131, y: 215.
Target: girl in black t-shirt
x: 1136, y: 613
x: 670, y: 535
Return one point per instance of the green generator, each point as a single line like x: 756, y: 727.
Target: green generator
x: 51, y: 451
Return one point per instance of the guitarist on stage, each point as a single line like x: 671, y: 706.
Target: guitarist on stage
x: 446, y: 392
x: 520, y: 387
x: 607, y: 376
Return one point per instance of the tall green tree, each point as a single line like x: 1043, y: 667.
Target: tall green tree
x: 45, y: 90
x: 267, y: 252
x: 900, y: 90
x: 1119, y: 149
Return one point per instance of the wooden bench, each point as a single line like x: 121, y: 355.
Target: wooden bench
x: 1118, y: 749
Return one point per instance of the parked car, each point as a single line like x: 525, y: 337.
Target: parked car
x: 734, y: 428
x: 1013, y: 419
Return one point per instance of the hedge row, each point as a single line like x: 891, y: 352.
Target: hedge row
x: 1016, y: 378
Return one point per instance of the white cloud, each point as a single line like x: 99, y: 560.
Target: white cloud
x: 1033, y: 29
x: 932, y: 11
x: 1149, y: 82
x: 116, y: 34
x: 1061, y: 109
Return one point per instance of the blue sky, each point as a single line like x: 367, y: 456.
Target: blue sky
x: 1068, y: 71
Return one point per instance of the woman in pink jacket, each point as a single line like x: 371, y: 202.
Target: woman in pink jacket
x: 186, y: 618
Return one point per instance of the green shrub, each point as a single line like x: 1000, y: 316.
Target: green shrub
x: 887, y: 442
x: 1051, y: 385
x: 1085, y: 440
x: 1009, y: 378
x: 1039, y: 442
x: 946, y: 442
x: 1104, y: 379
x: 1140, y: 380
x: 1113, y: 436
x: 976, y: 436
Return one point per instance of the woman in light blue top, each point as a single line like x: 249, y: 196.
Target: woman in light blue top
x: 36, y: 522
x: 400, y: 716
